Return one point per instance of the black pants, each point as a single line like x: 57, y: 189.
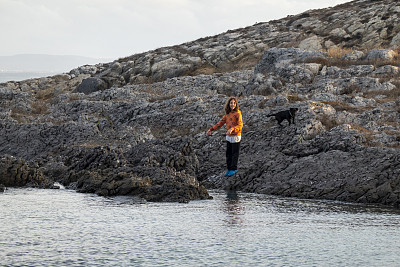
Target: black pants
x: 232, y: 155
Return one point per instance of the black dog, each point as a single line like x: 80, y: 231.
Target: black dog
x: 285, y: 115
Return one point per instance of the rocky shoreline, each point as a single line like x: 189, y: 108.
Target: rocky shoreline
x: 137, y: 126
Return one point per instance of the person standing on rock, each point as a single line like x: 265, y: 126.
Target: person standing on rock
x: 234, y: 125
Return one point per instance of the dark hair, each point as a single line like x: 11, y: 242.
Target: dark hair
x: 228, y: 108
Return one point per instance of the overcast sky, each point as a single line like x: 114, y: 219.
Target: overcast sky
x: 119, y: 28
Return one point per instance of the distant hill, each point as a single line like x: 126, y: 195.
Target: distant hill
x: 44, y: 63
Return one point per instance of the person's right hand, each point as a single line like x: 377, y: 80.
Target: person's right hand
x: 209, y: 132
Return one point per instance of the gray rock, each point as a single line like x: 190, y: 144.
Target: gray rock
x: 276, y: 58
x: 386, y: 71
x: 353, y: 56
x: 381, y: 54
x: 90, y: 85
x: 313, y: 43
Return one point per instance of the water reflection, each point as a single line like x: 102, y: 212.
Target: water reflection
x: 234, y: 209
x: 231, y: 229
x: 232, y: 196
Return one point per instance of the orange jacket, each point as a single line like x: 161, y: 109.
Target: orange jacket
x: 232, y: 120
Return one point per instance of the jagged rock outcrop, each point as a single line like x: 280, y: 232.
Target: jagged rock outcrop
x: 15, y: 172
x: 137, y: 126
x: 330, y: 166
x: 154, y: 171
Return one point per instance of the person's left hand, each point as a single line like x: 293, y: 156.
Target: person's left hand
x: 229, y: 131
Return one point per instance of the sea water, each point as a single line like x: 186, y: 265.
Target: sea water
x: 16, y: 76
x: 63, y: 228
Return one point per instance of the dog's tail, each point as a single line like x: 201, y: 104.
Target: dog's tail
x: 270, y: 115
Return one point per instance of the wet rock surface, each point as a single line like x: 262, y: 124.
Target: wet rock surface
x: 137, y: 126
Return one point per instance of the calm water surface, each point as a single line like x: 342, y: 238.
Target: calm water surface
x: 65, y: 228
x: 19, y: 76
